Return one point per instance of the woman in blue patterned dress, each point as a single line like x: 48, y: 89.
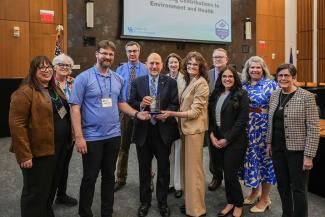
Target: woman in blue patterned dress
x: 258, y: 172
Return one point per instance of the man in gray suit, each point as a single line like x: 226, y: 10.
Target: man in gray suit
x: 220, y: 60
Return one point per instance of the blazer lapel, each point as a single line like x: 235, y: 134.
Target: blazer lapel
x: 188, y: 89
x: 146, y: 86
x: 225, y: 103
x: 161, y: 84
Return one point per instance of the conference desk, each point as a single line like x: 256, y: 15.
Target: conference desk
x: 316, y: 183
x: 322, y: 128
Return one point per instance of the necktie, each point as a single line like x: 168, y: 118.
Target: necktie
x: 132, y: 77
x: 153, y: 90
x: 153, y: 93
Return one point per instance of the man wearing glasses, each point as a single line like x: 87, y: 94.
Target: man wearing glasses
x: 220, y: 60
x: 96, y: 98
x: 129, y: 71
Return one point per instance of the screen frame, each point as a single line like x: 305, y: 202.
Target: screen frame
x: 123, y: 36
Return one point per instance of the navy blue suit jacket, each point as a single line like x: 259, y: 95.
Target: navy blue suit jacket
x: 168, y: 94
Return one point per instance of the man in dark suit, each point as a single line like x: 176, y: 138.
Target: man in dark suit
x: 220, y: 60
x: 154, y: 137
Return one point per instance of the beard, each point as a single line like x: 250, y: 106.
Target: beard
x: 105, y: 63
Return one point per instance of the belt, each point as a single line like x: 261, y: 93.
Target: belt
x: 258, y: 110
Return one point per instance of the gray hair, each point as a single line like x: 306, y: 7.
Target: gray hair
x: 61, y: 58
x: 254, y: 59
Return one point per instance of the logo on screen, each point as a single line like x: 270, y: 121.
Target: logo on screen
x: 130, y: 29
x: 222, y: 29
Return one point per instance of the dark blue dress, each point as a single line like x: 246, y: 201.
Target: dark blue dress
x: 258, y: 165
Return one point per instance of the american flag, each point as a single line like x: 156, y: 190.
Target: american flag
x: 57, y: 45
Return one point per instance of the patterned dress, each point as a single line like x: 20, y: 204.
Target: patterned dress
x: 258, y: 166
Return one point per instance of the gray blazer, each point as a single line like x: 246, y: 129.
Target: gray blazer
x: 212, y: 80
x: 301, y: 122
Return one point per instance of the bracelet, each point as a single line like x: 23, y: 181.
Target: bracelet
x: 136, y: 115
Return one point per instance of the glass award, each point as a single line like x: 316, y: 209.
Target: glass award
x: 155, y: 105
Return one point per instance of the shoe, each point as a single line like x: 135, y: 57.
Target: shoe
x: 143, y: 209
x: 214, y: 184
x: 255, y: 209
x: 164, y: 210
x: 171, y: 190
x: 66, y: 200
x: 118, y: 185
x: 178, y: 193
x: 248, y: 201
x: 221, y: 214
x: 182, y: 208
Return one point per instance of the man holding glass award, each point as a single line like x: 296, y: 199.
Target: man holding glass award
x: 154, y: 137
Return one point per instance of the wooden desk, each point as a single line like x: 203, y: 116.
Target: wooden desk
x: 322, y: 128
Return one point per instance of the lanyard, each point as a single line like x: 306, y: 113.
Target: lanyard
x: 110, y: 84
x: 55, y: 99
x: 67, y: 91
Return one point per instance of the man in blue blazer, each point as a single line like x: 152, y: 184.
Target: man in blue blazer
x: 153, y: 138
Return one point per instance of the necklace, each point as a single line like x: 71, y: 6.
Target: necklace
x: 282, y: 103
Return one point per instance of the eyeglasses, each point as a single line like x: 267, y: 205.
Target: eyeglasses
x: 62, y: 65
x: 45, y: 68
x: 218, y: 57
x: 193, y: 64
x: 132, y: 51
x: 286, y: 76
x: 227, y: 76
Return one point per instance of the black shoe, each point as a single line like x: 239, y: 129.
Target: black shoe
x: 214, y: 184
x: 143, y: 210
x: 171, y: 190
x: 221, y: 214
x: 164, y: 210
x: 178, y: 193
x: 118, y: 186
x: 182, y: 208
x: 66, y: 200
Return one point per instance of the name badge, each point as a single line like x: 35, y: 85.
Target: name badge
x: 107, y: 102
x: 62, y: 112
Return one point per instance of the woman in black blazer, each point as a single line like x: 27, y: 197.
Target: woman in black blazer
x: 228, y: 117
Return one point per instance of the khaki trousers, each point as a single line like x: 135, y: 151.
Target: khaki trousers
x: 193, y: 180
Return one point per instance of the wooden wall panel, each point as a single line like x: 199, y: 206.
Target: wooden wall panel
x: 42, y: 39
x: 304, y: 15
x: 271, y: 8
x: 14, y: 53
x: 14, y: 10
x: 305, y: 45
x: 305, y: 40
x: 270, y: 28
x: 54, y: 5
x: 321, y: 41
x: 304, y: 68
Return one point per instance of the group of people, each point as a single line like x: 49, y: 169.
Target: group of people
x: 260, y: 130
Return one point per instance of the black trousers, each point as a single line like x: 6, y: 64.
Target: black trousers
x: 154, y: 146
x: 123, y: 156
x: 215, y: 163
x: 62, y: 186
x: 40, y: 183
x: 232, y: 160
x: 101, y: 156
x: 292, y: 182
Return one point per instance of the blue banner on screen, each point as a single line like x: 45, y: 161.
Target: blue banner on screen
x: 178, y: 20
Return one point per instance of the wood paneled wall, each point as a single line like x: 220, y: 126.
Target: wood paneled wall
x: 321, y: 42
x: 36, y: 38
x: 305, y: 40
x: 270, y: 28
